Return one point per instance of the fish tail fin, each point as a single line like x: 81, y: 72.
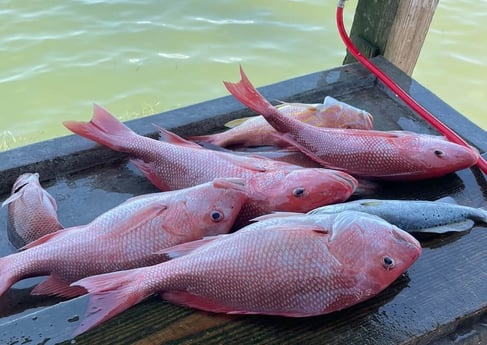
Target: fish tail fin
x: 8, y: 273
x: 109, y: 295
x: 104, y: 128
x: 246, y: 93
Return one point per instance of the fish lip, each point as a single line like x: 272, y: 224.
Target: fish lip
x: 370, y: 121
x: 350, y: 180
x: 24, y: 180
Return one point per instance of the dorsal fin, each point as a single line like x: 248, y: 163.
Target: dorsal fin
x: 173, y: 138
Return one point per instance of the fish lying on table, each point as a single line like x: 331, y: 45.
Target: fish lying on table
x: 294, y: 266
x: 440, y: 216
x: 32, y: 211
x: 256, y: 131
x: 126, y: 236
x: 176, y: 163
x: 393, y: 155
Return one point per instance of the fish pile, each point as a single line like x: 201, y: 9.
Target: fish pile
x: 247, y: 231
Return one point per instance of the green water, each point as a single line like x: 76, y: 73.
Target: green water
x: 141, y: 57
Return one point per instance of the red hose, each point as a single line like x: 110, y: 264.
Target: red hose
x: 418, y: 108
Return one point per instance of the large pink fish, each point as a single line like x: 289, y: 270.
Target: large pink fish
x: 388, y: 155
x: 177, y: 163
x: 31, y: 211
x: 126, y: 236
x: 256, y: 131
x: 292, y: 266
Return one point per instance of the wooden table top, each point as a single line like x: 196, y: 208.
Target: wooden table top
x: 441, y: 299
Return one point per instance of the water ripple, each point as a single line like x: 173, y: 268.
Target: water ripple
x: 60, y: 57
x: 222, y: 21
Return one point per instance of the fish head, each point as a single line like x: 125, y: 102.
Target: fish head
x: 213, y: 207
x: 336, y: 114
x: 303, y: 189
x: 23, y: 180
x: 28, y: 184
x: 371, y: 249
x: 434, y: 156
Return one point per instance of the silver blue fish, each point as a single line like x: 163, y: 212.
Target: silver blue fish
x: 440, y: 216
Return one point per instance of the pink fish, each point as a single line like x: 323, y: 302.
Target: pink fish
x: 126, y: 236
x: 256, y: 131
x: 177, y: 163
x: 396, y: 155
x: 292, y: 266
x: 31, y: 211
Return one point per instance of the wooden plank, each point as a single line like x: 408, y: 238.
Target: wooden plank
x: 394, y: 29
x: 443, y: 297
x: 408, y: 32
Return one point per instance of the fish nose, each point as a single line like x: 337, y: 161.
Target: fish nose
x: 407, y: 239
x: 474, y: 152
x: 469, y: 153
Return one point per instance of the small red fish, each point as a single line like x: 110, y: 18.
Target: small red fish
x: 293, y: 266
x: 31, y: 211
x: 256, y: 131
x: 126, y: 236
x: 176, y: 163
x: 398, y: 155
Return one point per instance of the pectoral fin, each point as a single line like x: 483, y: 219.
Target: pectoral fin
x: 56, y: 286
x: 11, y: 199
x: 187, y: 247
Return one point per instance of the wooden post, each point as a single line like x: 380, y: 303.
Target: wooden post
x: 395, y: 29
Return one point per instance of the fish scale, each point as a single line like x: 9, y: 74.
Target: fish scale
x: 257, y: 132
x: 126, y: 236
x: 399, y: 155
x: 442, y: 215
x: 308, y: 270
x: 175, y: 163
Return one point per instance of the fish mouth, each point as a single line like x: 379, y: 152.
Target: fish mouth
x: 348, y: 179
x: 23, y: 180
x: 369, y: 121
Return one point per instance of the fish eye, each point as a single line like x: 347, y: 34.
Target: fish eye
x: 298, y: 192
x: 439, y: 153
x: 388, y: 263
x: 216, y: 216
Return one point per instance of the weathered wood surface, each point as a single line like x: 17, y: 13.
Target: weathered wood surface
x: 391, y: 28
x: 442, y: 299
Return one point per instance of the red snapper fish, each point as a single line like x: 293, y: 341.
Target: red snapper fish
x: 126, y: 236
x: 31, y: 211
x: 395, y: 155
x: 293, y: 266
x: 256, y: 131
x: 176, y: 163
